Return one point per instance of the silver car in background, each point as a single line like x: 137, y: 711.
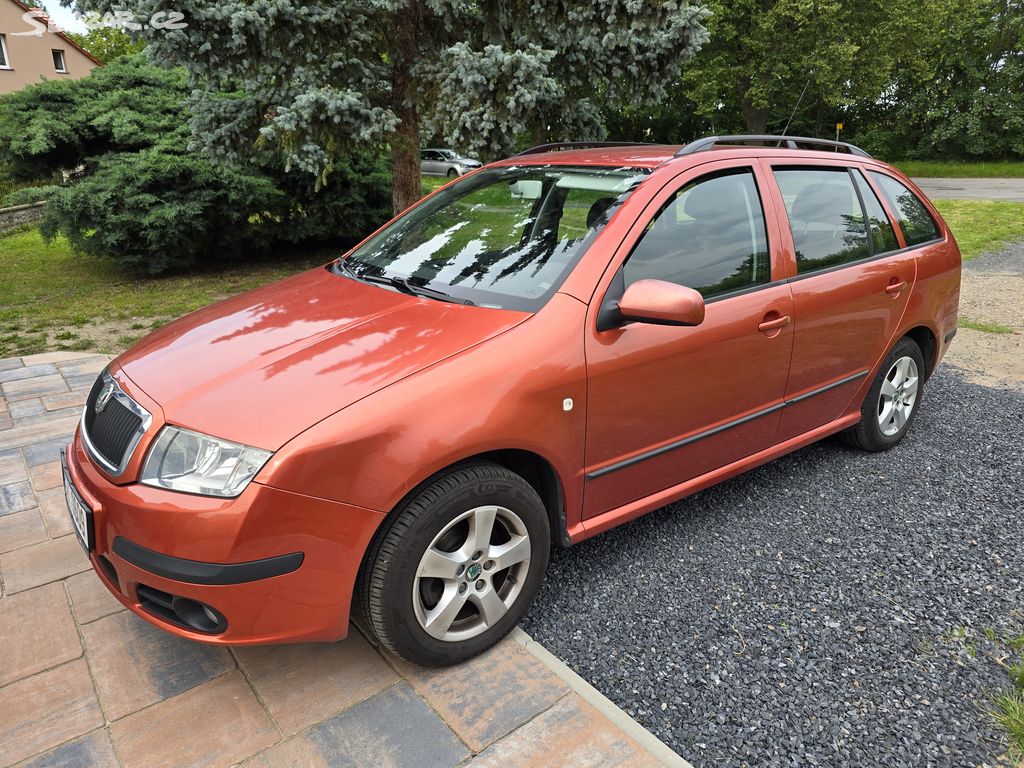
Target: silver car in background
x: 445, y: 162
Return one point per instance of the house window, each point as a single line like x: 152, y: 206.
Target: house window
x: 58, y: 60
x: 5, y: 63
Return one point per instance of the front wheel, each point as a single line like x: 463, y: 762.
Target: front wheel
x: 452, y: 173
x: 892, y: 401
x: 457, y: 567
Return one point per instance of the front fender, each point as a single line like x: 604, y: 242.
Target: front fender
x: 507, y: 393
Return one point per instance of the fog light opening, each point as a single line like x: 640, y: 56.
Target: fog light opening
x: 109, y: 571
x: 198, y: 616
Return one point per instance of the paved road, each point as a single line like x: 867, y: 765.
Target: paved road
x: 829, y: 608
x: 81, y: 678
x: 974, y: 189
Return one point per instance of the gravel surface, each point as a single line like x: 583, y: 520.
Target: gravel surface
x: 829, y: 608
x: 992, y: 291
x: 1007, y: 261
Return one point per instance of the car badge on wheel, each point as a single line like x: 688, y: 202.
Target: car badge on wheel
x: 104, y: 397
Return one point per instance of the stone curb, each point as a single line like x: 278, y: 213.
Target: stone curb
x: 600, y: 702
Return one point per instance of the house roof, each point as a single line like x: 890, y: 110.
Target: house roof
x: 61, y: 35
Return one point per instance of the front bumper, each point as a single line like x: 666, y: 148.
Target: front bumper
x: 278, y: 566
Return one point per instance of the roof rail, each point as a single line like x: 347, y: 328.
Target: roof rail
x: 579, y: 145
x: 787, y: 142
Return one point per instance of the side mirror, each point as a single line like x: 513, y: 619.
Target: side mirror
x: 661, y: 303
x: 526, y: 189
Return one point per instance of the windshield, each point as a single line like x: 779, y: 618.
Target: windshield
x: 504, y: 237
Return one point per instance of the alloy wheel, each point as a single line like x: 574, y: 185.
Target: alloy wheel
x: 472, y: 573
x: 897, y: 396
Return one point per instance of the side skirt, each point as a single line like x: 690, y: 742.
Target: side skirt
x: 614, y: 517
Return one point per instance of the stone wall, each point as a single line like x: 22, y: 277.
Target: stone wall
x: 20, y: 214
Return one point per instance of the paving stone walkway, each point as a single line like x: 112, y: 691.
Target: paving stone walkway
x: 85, y: 683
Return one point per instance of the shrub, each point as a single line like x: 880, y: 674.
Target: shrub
x: 141, y: 196
x: 154, y: 211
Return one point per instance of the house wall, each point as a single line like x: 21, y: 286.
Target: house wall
x: 30, y: 57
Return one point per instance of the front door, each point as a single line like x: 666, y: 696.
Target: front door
x: 667, y: 404
x: 851, y: 289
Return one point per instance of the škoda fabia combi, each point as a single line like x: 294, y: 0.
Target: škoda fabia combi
x: 539, y: 351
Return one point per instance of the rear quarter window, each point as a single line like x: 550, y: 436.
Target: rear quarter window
x: 913, y: 218
x: 883, y: 237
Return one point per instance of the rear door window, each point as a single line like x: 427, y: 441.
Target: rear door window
x: 917, y: 224
x: 825, y: 217
x: 710, y: 236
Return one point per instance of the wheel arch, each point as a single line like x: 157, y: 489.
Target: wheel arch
x: 532, y: 467
x: 542, y: 477
x: 927, y: 342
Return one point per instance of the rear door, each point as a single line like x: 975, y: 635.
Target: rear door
x: 667, y: 404
x: 852, y: 284
x: 430, y: 163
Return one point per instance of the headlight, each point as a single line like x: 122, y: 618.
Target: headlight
x: 182, y: 460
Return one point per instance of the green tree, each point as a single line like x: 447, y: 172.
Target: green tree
x: 764, y: 54
x: 308, y: 80
x: 107, y: 43
x: 967, y: 101
x: 139, y: 193
x: 674, y: 119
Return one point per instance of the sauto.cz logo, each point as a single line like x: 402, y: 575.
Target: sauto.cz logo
x: 104, y: 397
x: 40, y: 21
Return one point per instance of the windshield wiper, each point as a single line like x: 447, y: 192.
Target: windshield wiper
x: 419, y: 290
x: 403, y: 284
x: 341, y: 265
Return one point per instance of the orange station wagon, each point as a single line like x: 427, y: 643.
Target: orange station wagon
x: 537, y: 352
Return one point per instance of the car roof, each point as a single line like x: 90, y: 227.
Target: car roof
x: 655, y: 155
x: 636, y: 156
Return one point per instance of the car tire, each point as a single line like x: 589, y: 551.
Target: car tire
x: 892, y: 401
x: 437, y: 585
x: 452, y: 173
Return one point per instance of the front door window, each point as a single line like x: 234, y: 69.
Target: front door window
x: 710, y: 237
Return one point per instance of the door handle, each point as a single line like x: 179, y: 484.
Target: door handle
x: 776, y: 324
x: 895, y: 286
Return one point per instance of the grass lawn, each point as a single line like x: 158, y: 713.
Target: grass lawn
x: 52, y: 299
x: 984, y: 327
x: 982, y: 225
x: 961, y: 170
x: 1009, y: 705
x: 430, y: 183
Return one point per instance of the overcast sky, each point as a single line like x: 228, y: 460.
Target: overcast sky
x: 64, y: 17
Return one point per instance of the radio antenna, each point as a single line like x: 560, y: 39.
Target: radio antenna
x: 796, y: 107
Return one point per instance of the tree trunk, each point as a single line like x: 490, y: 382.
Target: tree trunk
x: 755, y: 118
x: 405, y: 142
x: 538, y: 134
x: 405, y: 160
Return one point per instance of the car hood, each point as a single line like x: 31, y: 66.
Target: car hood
x: 261, y: 367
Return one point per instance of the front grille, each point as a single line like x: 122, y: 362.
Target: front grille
x: 113, y: 431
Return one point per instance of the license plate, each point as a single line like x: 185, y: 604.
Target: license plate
x: 81, y: 515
